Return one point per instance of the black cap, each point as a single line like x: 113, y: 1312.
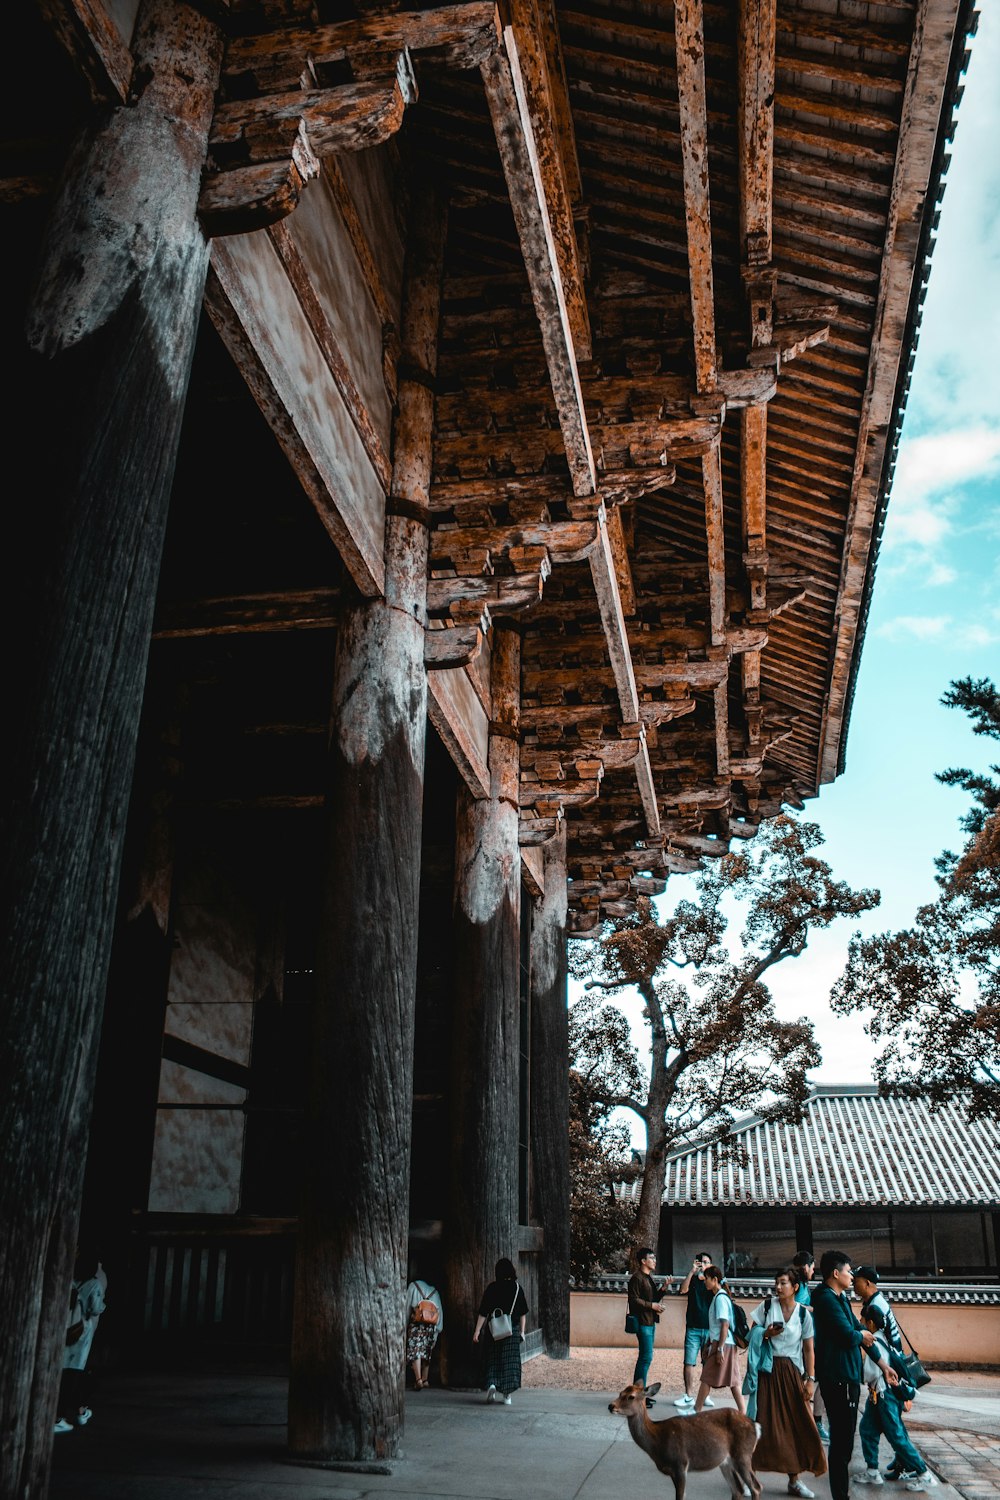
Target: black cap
x: 868, y: 1272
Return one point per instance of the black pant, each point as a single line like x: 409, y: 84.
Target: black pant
x: 841, y: 1397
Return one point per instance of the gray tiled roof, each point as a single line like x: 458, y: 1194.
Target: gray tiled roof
x: 852, y: 1148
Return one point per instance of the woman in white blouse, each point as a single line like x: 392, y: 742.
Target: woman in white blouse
x: 789, y: 1441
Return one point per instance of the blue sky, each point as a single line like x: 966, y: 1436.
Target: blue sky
x: 936, y: 606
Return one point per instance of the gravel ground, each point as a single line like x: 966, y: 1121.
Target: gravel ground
x: 601, y: 1370
x: 611, y: 1370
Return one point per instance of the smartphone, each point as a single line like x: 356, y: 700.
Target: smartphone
x: 776, y: 1327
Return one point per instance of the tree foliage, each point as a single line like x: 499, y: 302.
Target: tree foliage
x: 717, y: 1047
x: 600, y: 1156
x: 934, y: 988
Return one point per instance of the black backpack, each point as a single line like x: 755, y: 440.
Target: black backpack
x: 741, y: 1327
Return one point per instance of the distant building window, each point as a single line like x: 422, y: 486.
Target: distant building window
x: 759, y: 1243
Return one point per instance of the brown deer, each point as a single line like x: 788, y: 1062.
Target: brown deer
x: 712, y: 1440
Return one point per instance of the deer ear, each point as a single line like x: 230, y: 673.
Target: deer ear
x: 651, y: 1390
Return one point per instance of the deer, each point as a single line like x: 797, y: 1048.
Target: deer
x: 711, y: 1440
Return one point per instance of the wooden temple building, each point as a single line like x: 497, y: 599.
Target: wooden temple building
x: 454, y: 444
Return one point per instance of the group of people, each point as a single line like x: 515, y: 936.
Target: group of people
x: 499, y: 1331
x: 808, y: 1357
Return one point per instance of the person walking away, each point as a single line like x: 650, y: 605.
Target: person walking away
x: 789, y: 1442
x: 502, y: 1355
x: 645, y: 1306
x: 883, y: 1416
x: 86, y: 1304
x: 696, y: 1334
x: 424, y: 1322
x: 805, y: 1263
x: 720, y: 1367
x: 840, y: 1340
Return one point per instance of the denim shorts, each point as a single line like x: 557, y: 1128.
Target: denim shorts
x: 695, y: 1340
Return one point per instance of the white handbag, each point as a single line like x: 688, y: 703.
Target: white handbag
x: 501, y: 1323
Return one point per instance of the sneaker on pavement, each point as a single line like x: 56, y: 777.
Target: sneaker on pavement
x: 824, y: 1432
x: 491, y: 1394
x: 796, y: 1487
x: 868, y: 1476
x: 506, y: 1401
x: 84, y: 1416
x: 924, y: 1481
x: 709, y: 1401
x: 892, y: 1472
x: 63, y: 1426
x: 683, y: 1400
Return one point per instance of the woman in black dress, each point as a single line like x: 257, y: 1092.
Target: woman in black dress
x: 502, y: 1356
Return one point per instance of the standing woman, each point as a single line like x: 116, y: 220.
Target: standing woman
x: 503, y: 1356
x: 720, y: 1368
x: 789, y: 1442
x: 644, y: 1306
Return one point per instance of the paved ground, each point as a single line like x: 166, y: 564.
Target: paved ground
x: 221, y: 1437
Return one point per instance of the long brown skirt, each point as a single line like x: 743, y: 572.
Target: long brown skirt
x: 789, y: 1441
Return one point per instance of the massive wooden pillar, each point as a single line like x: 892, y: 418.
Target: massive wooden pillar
x: 98, y: 398
x: 346, y: 1388
x: 549, y: 1103
x: 482, y: 1215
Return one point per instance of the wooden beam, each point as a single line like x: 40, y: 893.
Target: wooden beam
x: 553, y: 149
x: 689, y: 38
x: 510, y: 113
x: 97, y: 42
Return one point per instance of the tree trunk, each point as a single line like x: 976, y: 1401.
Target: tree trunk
x: 111, y: 335
x: 482, y: 1219
x: 550, y: 1097
x: 346, y: 1385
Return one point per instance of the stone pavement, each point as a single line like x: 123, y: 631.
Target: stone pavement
x: 221, y: 1437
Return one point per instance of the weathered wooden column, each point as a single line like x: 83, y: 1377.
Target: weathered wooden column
x: 482, y: 1217
x: 346, y: 1387
x: 549, y: 1103
x: 98, y: 402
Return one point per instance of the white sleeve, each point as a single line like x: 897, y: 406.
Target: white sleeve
x: 808, y: 1326
x: 759, y: 1314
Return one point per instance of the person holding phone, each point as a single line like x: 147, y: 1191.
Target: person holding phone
x: 696, y: 1335
x: 789, y: 1442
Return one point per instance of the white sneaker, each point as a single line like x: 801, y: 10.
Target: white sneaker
x: 868, y: 1476
x: 63, y: 1426
x: 708, y: 1401
x: 506, y: 1401
x: 491, y: 1394
x: 683, y: 1400
x: 924, y: 1481
x: 796, y: 1487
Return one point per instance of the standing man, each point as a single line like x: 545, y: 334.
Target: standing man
x: 840, y: 1340
x: 866, y: 1286
x: 805, y: 1263
x: 696, y: 1334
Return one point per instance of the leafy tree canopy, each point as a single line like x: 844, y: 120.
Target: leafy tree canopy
x: 717, y: 1047
x: 934, y: 988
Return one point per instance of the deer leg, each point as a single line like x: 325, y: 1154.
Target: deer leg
x: 679, y: 1476
x: 746, y: 1479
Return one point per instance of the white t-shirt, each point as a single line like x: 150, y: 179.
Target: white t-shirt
x: 720, y: 1311
x: 798, y: 1326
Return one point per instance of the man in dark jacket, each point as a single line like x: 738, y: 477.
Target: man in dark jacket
x: 840, y: 1340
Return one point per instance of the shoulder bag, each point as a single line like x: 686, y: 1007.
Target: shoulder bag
x: 915, y: 1372
x: 501, y: 1323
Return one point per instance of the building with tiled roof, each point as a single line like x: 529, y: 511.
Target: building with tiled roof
x: 913, y: 1190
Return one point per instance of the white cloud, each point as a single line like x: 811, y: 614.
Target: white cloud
x: 924, y: 627
x: 969, y: 634
x: 940, y: 576
x: 929, y: 472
